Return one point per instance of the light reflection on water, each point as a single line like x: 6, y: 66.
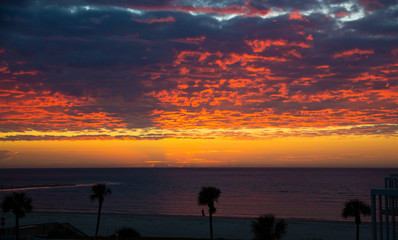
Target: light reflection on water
x: 246, y: 192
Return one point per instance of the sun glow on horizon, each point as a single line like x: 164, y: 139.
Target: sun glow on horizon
x: 329, y: 151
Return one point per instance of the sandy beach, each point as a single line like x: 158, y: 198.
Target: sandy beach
x: 196, y: 226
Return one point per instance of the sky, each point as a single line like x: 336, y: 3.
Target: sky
x: 199, y: 83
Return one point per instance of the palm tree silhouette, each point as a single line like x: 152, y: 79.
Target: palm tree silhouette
x: 19, y: 204
x: 207, y: 196
x: 354, y: 208
x: 99, y: 192
x: 266, y: 228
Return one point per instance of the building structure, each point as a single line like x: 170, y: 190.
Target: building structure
x: 384, y: 209
x: 54, y: 230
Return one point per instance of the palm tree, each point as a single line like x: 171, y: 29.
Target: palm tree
x: 19, y: 204
x: 266, y: 228
x: 354, y: 208
x: 207, y: 196
x: 99, y: 192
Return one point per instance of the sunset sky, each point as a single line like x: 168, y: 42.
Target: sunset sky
x: 207, y: 83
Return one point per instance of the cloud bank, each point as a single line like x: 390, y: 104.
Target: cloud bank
x: 200, y: 69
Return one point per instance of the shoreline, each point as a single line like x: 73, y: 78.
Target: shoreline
x: 292, y: 219
x: 173, y: 226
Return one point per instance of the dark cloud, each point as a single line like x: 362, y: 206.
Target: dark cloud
x: 381, y: 23
x: 292, y: 5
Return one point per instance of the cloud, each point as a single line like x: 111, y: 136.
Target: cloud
x: 6, y: 155
x: 23, y: 137
x: 342, y: 14
x: 351, y: 52
x: 155, y: 20
x: 295, y: 15
x: 76, y: 66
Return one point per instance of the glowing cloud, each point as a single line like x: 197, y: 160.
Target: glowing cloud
x: 192, y: 70
x: 352, y: 52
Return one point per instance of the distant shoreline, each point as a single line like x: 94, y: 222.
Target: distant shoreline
x: 216, y: 167
x: 4, y: 188
x: 132, y: 215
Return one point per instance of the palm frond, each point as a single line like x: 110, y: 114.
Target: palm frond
x: 18, y: 203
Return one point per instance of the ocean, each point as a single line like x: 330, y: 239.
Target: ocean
x: 303, y: 193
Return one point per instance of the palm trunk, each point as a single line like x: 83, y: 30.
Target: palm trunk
x: 357, y: 231
x: 16, y: 228
x: 98, y: 219
x: 211, y: 225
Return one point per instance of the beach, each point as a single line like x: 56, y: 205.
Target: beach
x: 196, y: 226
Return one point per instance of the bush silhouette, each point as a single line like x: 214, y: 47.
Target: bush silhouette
x: 127, y: 233
x: 265, y: 227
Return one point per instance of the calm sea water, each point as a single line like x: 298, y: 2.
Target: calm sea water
x: 246, y: 192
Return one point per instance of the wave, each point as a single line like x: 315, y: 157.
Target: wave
x: 46, y: 186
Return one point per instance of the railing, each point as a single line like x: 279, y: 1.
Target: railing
x: 380, y: 229
x: 391, y: 181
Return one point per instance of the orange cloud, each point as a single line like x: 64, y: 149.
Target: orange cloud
x: 33, y: 73
x: 366, y: 76
x: 351, y: 52
x: 198, y: 39
x: 231, y: 9
x: 173, y: 97
x: 224, y: 119
x: 244, y: 59
x: 260, y: 70
x: 194, y: 102
x: 371, y: 4
x: 184, y: 56
x: 341, y: 14
x: 202, y: 64
x: 44, y: 110
x: 253, y: 11
x: 4, y: 68
x: 155, y: 20
x: 296, y: 15
x: 6, y: 155
x: 239, y: 83
x: 323, y: 67
x: 294, y: 53
x: 261, y: 45
x: 300, y: 44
